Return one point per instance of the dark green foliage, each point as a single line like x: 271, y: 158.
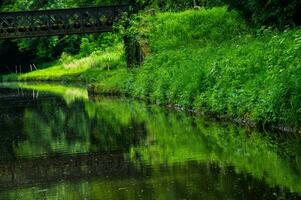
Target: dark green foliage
x: 133, y: 52
x: 269, y: 12
x: 259, y: 12
x: 10, y: 56
x: 181, y: 4
x: 94, y: 42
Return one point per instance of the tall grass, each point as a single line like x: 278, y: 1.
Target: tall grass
x: 209, y: 59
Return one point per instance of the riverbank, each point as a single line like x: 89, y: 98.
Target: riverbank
x: 207, y: 60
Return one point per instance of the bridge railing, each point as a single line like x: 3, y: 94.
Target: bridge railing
x: 60, y: 22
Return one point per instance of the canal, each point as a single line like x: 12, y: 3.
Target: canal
x: 57, y: 142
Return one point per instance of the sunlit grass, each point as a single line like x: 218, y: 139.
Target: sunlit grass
x: 69, y: 93
x: 74, y: 69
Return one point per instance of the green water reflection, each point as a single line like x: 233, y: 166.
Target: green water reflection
x: 59, y: 143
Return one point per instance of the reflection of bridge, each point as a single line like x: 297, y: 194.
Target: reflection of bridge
x: 46, y: 170
x: 60, y: 22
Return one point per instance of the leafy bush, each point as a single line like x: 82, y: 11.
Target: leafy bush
x: 259, y: 12
x: 272, y: 12
x: 65, y: 58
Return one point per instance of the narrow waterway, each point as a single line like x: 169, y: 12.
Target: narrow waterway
x: 56, y: 142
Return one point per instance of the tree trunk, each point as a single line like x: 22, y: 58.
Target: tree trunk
x: 133, y: 52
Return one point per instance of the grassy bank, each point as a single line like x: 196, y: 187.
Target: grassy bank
x: 72, y: 68
x: 205, y: 59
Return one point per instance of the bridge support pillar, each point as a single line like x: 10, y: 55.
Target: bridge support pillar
x: 133, y: 52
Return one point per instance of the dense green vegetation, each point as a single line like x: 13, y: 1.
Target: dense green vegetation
x: 210, y: 59
x: 277, y: 13
x: 216, y: 64
x: 40, y: 50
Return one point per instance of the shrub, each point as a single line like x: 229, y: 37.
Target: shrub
x: 273, y: 12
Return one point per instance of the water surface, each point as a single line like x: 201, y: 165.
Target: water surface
x: 58, y: 143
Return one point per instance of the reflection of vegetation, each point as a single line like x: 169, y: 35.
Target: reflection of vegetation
x: 68, y: 126
x: 189, y: 181
x: 152, y: 136
x: 174, y: 139
x: 70, y: 129
x: 70, y: 93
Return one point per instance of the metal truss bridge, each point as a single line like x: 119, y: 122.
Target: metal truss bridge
x: 60, y: 22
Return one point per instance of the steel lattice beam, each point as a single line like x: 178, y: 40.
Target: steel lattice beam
x: 60, y: 22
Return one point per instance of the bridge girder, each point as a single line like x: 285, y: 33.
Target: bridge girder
x: 60, y: 22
